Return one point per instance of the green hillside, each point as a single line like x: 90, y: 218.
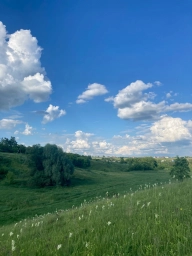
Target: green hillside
x: 17, y: 201
x: 149, y: 222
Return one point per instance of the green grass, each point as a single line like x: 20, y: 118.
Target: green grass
x: 155, y: 221
x: 17, y: 201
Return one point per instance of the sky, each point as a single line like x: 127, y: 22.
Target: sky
x: 97, y: 77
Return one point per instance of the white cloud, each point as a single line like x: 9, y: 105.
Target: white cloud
x: 143, y: 110
x: 51, y: 113
x: 92, y: 91
x: 182, y: 107
x: 21, y: 74
x: 109, y: 99
x: 131, y: 94
x: 168, y: 95
x: 9, y: 123
x: 158, y: 83
x: 82, y: 135
x: 132, y: 103
x: 28, y: 130
x: 170, y: 129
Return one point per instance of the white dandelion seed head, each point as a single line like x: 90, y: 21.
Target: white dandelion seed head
x: 59, y: 246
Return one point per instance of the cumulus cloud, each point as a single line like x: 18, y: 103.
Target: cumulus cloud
x: 143, y: 110
x: 170, y: 129
x: 21, y: 74
x: 167, y: 136
x: 182, y: 107
x: 9, y: 123
x: 28, y: 130
x: 134, y: 103
x: 51, y: 113
x: 131, y: 94
x: 81, y: 142
x: 92, y: 91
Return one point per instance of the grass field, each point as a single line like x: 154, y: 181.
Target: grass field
x: 106, y: 211
x: 154, y: 221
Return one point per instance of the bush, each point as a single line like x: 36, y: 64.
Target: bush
x: 180, y: 169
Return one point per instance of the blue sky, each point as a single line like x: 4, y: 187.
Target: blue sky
x: 98, y: 77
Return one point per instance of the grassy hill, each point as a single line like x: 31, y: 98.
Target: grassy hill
x: 150, y: 222
x: 18, y: 201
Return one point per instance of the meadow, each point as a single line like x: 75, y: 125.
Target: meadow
x: 153, y: 220
x: 106, y: 211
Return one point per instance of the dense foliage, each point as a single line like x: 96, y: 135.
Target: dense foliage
x: 180, y: 169
x: 141, y: 164
x: 80, y: 161
x: 50, y: 166
x: 4, y: 162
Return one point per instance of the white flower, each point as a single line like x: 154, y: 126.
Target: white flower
x: 86, y: 244
x: 124, y: 196
x: 70, y: 235
x: 138, y: 202
x: 109, y: 223
x: 59, y: 246
x: 13, y: 245
x: 17, y: 236
x: 79, y: 218
x: 11, y: 233
x: 156, y: 215
x: 103, y: 206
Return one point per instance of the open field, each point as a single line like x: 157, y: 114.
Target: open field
x: 153, y: 221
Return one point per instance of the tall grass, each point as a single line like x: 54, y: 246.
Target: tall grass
x: 154, y: 220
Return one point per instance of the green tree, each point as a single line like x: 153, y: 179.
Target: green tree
x: 8, y: 145
x: 51, y: 166
x: 180, y: 169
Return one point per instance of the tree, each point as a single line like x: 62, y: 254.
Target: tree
x: 51, y: 166
x: 8, y: 145
x: 180, y: 169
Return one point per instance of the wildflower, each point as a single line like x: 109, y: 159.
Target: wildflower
x: 86, y: 244
x: 96, y: 206
x: 156, y: 215
x: 59, y: 246
x: 17, y: 236
x: 11, y: 233
x: 70, y: 235
x: 132, y: 194
x: 3, y: 234
x: 124, y: 196
x: 142, y: 206
x: 148, y: 203
x: 138, y: 202
x: 109, y: 223
x: 79, y: 218
x: 103, y: 207
x: 13, y: 245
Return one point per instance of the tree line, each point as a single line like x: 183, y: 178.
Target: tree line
x: 49, y: 165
